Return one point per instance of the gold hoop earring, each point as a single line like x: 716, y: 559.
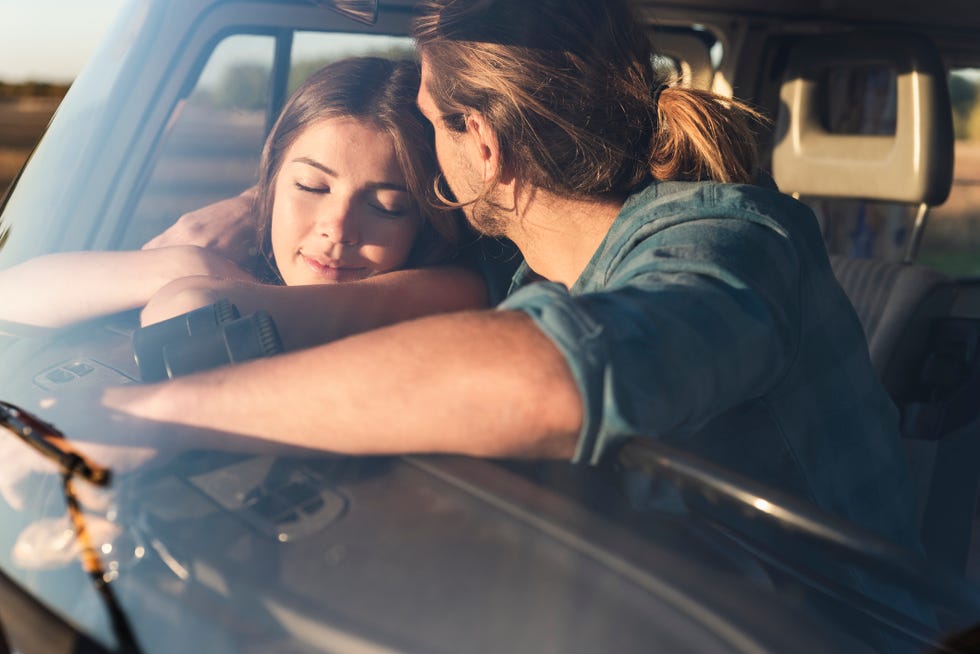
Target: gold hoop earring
x: 436, y: 183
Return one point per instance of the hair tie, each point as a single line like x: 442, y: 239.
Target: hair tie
x: 655, y: 105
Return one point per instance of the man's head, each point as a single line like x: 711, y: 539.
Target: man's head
x: 561, y: 89
x: 561, y: 96
x: 469, y: 156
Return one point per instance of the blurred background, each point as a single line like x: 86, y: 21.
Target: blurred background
x: 43, y: 46
x: 952, y: 241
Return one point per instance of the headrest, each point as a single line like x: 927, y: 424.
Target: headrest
x: 907, y: 157
x: 691, y: 55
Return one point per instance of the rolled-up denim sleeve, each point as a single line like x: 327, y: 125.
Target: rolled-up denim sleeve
x: 670, y: 343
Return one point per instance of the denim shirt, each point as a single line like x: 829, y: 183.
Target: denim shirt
x: 709, y: 317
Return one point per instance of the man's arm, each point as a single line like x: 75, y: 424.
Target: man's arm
x: 312, y: 315
x: 226, y: 227
x: 483, y: 383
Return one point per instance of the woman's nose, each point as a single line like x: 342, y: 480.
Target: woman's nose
x: 339, y: 223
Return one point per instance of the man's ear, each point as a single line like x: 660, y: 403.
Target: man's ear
x: 484, y: 140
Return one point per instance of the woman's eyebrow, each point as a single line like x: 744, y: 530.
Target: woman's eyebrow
x: 316, y: 164
x: 387, y: 186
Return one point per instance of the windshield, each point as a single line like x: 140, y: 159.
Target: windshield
x: 29, y: 222
x: 302, y: 133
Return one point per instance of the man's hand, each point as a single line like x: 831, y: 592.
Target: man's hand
x: 226, y: 228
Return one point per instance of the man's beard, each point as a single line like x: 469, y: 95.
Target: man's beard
x: 482, y: 212
x: 485, y: 217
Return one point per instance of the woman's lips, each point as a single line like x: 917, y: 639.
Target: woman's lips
x: 333, y: 271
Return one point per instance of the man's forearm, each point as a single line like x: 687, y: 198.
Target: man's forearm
x: 478, y: 383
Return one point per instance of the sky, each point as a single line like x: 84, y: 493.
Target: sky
x: 50, y: 40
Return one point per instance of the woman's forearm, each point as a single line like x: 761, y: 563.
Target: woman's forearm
x: 311, y: 315
x: 59, y: 289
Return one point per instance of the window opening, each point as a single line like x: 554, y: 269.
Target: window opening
x: 952, y: 238
x: 214, y: 137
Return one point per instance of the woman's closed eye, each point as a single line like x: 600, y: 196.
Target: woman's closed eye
x: 312, y: 188
x: 391, y: 211
x: 393, y: 204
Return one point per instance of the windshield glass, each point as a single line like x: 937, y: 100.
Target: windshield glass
x: 28, y: 220
x: 215, y: 193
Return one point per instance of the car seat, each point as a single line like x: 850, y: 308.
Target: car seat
x: 902, y: 306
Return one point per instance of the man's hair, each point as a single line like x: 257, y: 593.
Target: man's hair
x: 381, y: 92
x: 570, y: 90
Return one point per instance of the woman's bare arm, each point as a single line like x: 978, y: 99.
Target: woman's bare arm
x: 59, y: 289
x: 311, y: 315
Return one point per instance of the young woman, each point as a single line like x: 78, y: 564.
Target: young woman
x: 343, y: 196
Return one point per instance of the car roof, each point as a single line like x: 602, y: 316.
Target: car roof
x: 910, y: 12
x: 913, y: 13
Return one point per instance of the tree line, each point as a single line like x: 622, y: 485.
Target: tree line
x: 10, y: 91
x: 964, y: 93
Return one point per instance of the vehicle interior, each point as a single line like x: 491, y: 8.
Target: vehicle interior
x: 893, y: 155
x: 863, y: 126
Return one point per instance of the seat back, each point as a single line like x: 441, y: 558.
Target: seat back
x: 898, y: 305
x: 908, y: 160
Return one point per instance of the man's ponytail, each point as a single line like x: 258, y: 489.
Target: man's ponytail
x: 703, y: 136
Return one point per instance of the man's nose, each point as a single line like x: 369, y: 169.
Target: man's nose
x: 340, y: 223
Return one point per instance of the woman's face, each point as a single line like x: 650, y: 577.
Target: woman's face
x: 341, y: 210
